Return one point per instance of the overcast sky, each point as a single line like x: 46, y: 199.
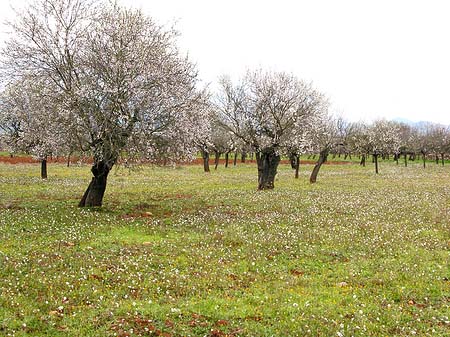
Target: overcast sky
x: 377, y: 58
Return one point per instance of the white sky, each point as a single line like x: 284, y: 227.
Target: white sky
x: 373, y: 58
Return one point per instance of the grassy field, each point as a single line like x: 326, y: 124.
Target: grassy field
x: 176, y: 252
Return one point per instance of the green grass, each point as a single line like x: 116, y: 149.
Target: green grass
x: 182, y: 253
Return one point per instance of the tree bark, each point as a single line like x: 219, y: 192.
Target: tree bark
x: 243, y: 157
x: 205, y: 156
x: 363, y: 161
x: 442, y: 159
x: 226, y: 158
x: 44, y: 168
x: 267, y: 161
x: 322, y: 159
x: 396, y: 155
x: 406, y: 159
x: 437, y: 159
x: 423, y: 158
x: 292, y: 160
x: 375, y: 159
x: 297, y: 165
x: 93, y: 197
x: 216, y: 159
x: 235, y: 158
x: 68, y: 159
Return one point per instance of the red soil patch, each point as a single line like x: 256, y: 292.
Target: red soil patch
x: 31, y: 160
x: 197, y: 161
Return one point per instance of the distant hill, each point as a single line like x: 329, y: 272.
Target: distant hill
x: 410, y: 122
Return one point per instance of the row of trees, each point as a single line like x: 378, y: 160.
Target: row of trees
x: 93, y: 77
x: 336, y: 136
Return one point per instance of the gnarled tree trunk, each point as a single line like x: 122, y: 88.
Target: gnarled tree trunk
x: 322, y: 159
x: 93, y: 197
x: 267, y: 161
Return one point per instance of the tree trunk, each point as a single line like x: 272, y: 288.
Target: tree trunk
x: 226, y: 158
x: 322, y: 159
x: 406, y: 159
x: 216, y: 159
x: 396, y: 155
x: 93, y: 197
x: 235, y: 158
x: 292, y: 160
x: 243, y: 157
x: 375, y: 159
x: 442, y: 159
x: 423, y: 158
x: 267, y: 168
x: 68, y: 159
x: 363, y: 161
x: 297, y: 165
x: 437, y: 159
x: 44, y: 168
x: 205, y: 156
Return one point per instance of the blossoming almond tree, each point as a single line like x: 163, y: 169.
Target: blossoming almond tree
x: 119, y: 80
x: 269, y: 111
x: 29, y: 123
x: 325, y: 137
x: 384, y: 138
